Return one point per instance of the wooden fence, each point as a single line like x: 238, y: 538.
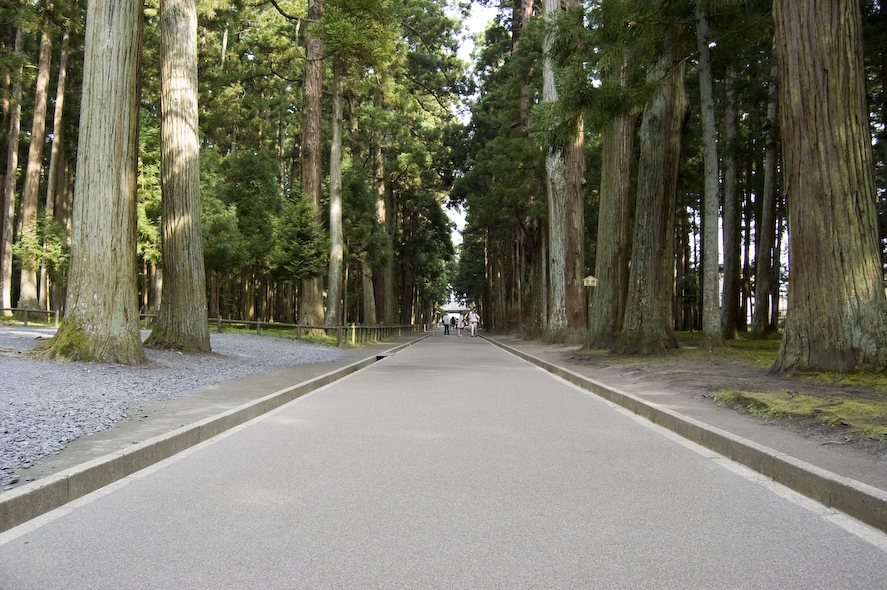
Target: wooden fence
x: 346, y: 335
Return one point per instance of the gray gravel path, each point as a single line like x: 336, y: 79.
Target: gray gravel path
x: 44, y: 405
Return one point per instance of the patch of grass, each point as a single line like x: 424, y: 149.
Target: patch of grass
x: 863, y: 417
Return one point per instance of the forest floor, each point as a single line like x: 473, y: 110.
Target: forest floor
x: 836, y: 409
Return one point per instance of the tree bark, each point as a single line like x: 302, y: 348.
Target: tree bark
x: 766, y: 225
x: 732, y: 220
x: 182, y: 321
x: 6, y: 232
x: 648, y: 326
x: 711, y: 309
x: 28, y: 296
x: 837, y: 312
x: 102, y: 310
x: 334, y: 292
x: 311, y: 295
x: 611, y: 264
x: 556, y: 189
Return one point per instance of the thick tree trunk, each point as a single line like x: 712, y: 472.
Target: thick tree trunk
x: 6, y: 232
x: 311, y: 296
x: 556, y: 189
x: 334, y: 294
x: 766, y: 225
x: 837, y: 312
x: 102, y: 311
x: 28, y: 296
x: 574, y: 225
x: 182, y: 321
x: 711, y: 308
x: 648, y: 327
x: 611, y: 264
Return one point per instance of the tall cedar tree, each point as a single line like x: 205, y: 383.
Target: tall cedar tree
x: 182, y: 321
x: 837, y: 314
x: 102, y: 310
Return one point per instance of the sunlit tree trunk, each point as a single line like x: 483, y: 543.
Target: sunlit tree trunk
x: 334, y: 294
x: 837, y: 312
x: 56, y: 158
x: 28, y: 296
x: 311, y: 294
x: 102, y: 309
x: 182, y: 320
x: 6, y: 232
x: 556, y: 185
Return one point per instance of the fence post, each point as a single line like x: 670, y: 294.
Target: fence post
x: 258, y: 328
x: 26, y: 316
x: 56, y: 313
x: 219, y: 324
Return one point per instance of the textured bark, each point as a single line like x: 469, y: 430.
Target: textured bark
x: 648, y: 326
x: 837, y: 313
x: 182, y: 320
x: 334, y: 293
x: 556, y: 189
x: 732, y: 218
x: 711, y: 309
x: 28, y: 296
x: 311, y: 295
x: 611, y: 264
x: 102, y: 312
x: 369, y: 301
x: 9, y: 186
x: 386, y: 309
x: 766, y: 225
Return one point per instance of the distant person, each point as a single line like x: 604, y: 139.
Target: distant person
x: 461, y: 324
x: 473, y: 319
x: 453, y: 324
x: 446, y: 325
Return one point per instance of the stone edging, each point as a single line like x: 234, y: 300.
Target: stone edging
x: 859, y: 500
x: 34, y: 499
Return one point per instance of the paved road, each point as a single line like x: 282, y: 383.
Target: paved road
x: 449, y: 465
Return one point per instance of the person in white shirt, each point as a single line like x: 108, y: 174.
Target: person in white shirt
x: 473, y: 319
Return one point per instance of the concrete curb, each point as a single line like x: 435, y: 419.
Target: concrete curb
x: 861, y: 501
x: 34, y: 499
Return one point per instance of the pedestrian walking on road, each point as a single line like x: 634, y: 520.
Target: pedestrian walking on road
x: 461, y: 324
x: 446, y: 325
x: 473, y: 319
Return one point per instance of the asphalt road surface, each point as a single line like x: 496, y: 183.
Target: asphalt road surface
x: 451, y: 464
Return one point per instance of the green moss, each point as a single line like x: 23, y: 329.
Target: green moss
x: 69, y: 344
x: 863, y: 417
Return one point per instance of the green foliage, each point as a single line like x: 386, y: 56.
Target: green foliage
x: 301, y: 247
x: 48, y: 248
x: 224, y: 246
x: 251, y: 186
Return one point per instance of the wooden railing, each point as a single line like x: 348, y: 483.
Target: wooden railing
x: 352, y: 334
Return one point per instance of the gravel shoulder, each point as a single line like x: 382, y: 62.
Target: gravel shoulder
x: 45, y: 406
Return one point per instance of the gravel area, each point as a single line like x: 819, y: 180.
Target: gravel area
x: 46, y: 404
